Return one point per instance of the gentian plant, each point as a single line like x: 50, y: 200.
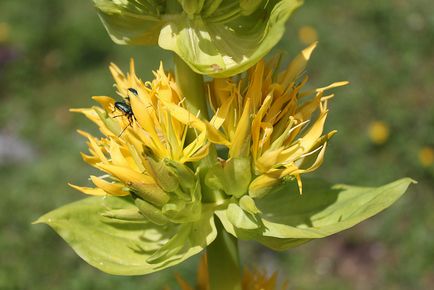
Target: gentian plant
x: 188, y: 164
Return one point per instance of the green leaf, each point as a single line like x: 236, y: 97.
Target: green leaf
x: 192, y: 7
x: 126, y: 247
x: 290, y: 219
x: 216, y: 38
x: 131, y: 21
x: 222, y: 44
x: 241, y: 219
x: 249, y: 6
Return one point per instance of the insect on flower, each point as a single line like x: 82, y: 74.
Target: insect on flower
x: 125, y: 108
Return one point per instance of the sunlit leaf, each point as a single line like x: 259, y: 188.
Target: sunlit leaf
x: 290, y: 219
x: 122, y: 246
x: 131, y: 21
x: 226, y: 47
x: 217, y: 38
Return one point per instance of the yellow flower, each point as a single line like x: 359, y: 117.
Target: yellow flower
x: 4, y: 32
x: 378, y: 132
x: 270, y: 117
x: 144, y: 150
x: 307, y: 35
x: 251, y: 280
x: 426, y: 156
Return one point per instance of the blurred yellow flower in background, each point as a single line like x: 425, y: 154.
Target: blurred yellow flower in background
x: 426, y: 156
x: 4, y: 32
x: 251, y: 280
x: 307, y: 35
x: 378, y: 132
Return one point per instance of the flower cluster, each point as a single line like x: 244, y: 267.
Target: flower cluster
x: 269, y: 121
x: 144, y: 152
x: 169, y: 173
x: 265, y: 120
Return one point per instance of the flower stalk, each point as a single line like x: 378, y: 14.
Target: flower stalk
x: 223, y: 261
x: 192, y: 87
x: 223, y: 256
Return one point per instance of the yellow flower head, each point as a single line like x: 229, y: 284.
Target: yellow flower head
x: 144, y: 148
x: 251, y: 280
x: 272, y: 119
x: 379, y: 132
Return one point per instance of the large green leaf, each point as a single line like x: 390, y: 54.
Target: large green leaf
x: 216, y: 38
x: 131, y: 21
x: 289, y: 219
x: 223, y: 48
x: 124, y: 247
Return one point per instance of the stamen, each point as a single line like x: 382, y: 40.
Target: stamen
x: 312, y: 152
x: 181, y: 101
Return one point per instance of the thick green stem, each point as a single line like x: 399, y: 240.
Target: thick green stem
x: 223, y: 258
x: 192, y: 87
x: 223, y: 261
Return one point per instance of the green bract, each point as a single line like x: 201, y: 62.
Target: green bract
x: 216, y: 38
x: 122, y: 246
x: 110, y: 234
x: 287, y: 219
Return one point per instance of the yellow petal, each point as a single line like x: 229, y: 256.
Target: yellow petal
x: 185, y: 116
x: 93, y: 145
x: 268, y: 159
x: 198, y: 155
x: 88, y: 112
x: 115, y: 189
x: 331, y: 86
x: 318, y: 161
x: 121, y: 156
x: 144, y: 185
x: 241, y: 143
x: 196, y: 150
x: 307, y: 109
x: 92, y: 160
x: 120, y: 79
x: 89, y: 190
x: 215, y: 136
x: 296, y: 66
x: 299, y: 183
x: 307, y: 142
x: 136, y: 157
x: 261, y: 184
x: 106, y: 102
x: 254, y: 92
x: 256, y: 125
x: 144, y: 114
x: 220, y: 116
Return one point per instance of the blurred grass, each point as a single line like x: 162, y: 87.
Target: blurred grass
x: 384, y: 48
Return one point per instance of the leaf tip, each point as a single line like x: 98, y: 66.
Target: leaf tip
x: 410, y: 180
x: 38, y: 221
x: 41, y: 220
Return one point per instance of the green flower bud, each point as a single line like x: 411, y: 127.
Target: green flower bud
x: 232, y: 177
x: 127, y: 215
x: 181, y: 186
x: 151, y: 212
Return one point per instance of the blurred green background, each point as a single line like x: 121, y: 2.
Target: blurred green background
x: 54, y: 56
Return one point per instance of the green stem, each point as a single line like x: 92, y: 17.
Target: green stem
x: 223, y: 261
x: 223, y: 258
x: 192, y: 87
